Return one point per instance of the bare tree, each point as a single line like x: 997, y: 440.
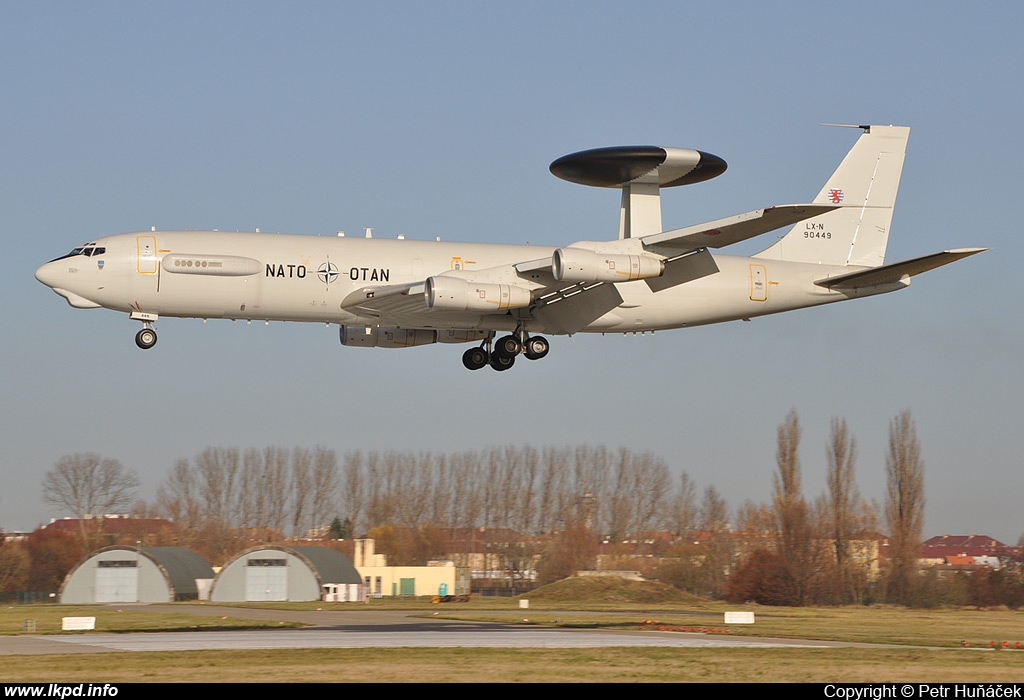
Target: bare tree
x: 302, y: 491
x: 440, y: 496
x: 218, y: 473
x: 591, y: 481
x: 466, y: 495
x: 87, y: 485
x: 791, y: 512
x: 178, y: 498
x: 756, y: 521
x: 684, y: 512
x: 384, y: 483
x: 415, y: 484
x: 649, y: 487
x: 714, y: 518
x: 324, y: 483
x: 276, y: 481
x: 841, y: 452
x: 554, y: 506
x: 353, y: 491
x: 15, y: 564
x: 904, y: 507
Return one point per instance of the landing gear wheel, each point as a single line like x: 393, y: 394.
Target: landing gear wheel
x: 146, y: 338
x: 500, y: 363
x: 507, y: 346
x: 537, y: 347
x: 474, y: 358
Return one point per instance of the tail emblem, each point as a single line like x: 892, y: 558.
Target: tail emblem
x: 835, y: 195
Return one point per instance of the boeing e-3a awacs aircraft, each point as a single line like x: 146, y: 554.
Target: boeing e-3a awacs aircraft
x: 401, y: 293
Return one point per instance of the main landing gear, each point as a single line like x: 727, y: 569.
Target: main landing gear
x: 501, y: 354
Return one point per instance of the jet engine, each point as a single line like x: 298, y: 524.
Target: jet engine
x: 457, y: 294
x: 581, y: 265
x: 374, y: 337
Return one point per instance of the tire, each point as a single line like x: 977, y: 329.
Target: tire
x: 537, y: 347
x: 500, y: 363
x: 507, y: 346
x: 474, y: 358
x: 146, y: 338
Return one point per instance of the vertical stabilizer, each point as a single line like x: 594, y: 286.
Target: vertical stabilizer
x: 865, y: 184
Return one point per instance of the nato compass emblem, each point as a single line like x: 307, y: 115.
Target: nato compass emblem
x: 328, y: 272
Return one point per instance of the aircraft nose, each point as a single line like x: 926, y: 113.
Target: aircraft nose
x: 49, y: 274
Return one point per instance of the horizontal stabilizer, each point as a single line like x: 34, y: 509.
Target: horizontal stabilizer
x: 894, y: 272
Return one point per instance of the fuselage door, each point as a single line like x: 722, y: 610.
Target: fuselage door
x: 758, y: 283
x: 148, y: 262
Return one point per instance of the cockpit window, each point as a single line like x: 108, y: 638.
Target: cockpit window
x: 82, y: 250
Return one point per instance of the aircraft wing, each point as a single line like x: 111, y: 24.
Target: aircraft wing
x: 571, y: 307
x: 396, y: 301
x: 733, y: 229
x: 405, y: 305
x: 894, y: 272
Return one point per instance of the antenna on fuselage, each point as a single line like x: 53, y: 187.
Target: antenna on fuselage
x: 865, y: 127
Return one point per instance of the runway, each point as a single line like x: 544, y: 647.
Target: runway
x: 375, y: 629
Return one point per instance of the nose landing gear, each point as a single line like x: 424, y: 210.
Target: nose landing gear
x: 146, y: 338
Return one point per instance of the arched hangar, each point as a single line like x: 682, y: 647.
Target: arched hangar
x: 279, y: 572
x: 120, y: 574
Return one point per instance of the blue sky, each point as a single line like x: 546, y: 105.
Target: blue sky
x: 440, y: 119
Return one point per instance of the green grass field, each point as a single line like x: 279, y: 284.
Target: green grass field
x: 927, y: 645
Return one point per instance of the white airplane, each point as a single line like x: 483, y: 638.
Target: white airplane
x: 401, y: 293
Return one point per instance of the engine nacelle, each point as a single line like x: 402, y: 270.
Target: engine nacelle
x: 358, y: 337
x: 457, y: 294
x: 581, y: 265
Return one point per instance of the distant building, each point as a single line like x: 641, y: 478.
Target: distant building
x: 116, y: 528
x: 963, y: 552
x: 120, y: 574
x: 440, y: 578
x: 275, y: 572
x: 14, y: 536
x: 494, y: 554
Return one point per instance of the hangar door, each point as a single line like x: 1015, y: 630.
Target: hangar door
x: 266, y: 579
x: 117, y: 582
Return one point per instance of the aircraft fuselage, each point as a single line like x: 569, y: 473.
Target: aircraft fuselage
x: 278, y: 277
